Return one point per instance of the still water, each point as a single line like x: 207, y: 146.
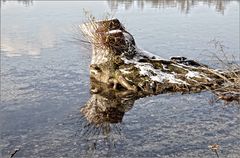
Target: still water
x: 45, y: 81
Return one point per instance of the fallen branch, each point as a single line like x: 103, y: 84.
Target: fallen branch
x: 15, y: 151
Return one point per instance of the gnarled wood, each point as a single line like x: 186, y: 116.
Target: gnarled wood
x: 119, y: 63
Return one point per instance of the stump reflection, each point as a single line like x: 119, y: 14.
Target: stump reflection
x: 105, y: 108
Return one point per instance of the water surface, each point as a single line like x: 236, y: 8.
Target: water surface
x: 45, y: 80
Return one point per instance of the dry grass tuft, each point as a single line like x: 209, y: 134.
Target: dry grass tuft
x: 104, y: 34
x: 230, y: 92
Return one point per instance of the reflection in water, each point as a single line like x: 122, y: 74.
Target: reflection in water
x: 184, y: 5
x: 106, y: 108
x: 24, y: 2
x: 104, y: 113
x: 22, y: 38
x: 27, y: 44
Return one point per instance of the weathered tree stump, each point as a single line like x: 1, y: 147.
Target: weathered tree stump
x: 120, y: 64
x: 121, y: 73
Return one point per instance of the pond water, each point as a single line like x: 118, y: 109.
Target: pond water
x: 45, y: 80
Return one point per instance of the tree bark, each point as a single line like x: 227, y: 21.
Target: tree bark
x: 121, y: 65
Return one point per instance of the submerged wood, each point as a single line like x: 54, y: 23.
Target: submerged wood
x: 118, y: 63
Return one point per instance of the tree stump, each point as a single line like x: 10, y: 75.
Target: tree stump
x: 120, y: 64
x: 121, y: 73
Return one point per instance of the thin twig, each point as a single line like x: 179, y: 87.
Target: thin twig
x: 15, y: 151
